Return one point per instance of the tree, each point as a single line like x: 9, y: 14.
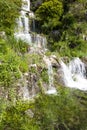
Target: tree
x: 49, y: 14
x: 9, y: 11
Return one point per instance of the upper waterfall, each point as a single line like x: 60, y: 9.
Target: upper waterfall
x: 74, y: 74
x: 26, y: 5
x: 23, y: 30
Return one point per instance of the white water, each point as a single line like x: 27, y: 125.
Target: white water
x: 26, y: 5
x: 51, y: 89
x: 38, y: 41
x: 23, y: 32
x: 74, y: 74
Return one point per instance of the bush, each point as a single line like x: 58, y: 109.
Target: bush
x: 61, y: 111
x: 9, y: 69
x: 18, y: 46
x: 49, y: 14
x: 64, y: 111
x: 11, y: 63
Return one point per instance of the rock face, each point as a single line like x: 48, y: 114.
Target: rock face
x: 54, y: 61
x: 43, y: 76
x: 47, y: 75
x: 58, y: 74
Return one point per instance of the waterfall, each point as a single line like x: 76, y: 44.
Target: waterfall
x: 23, y: 30
x: 39, y: 41
x: 51, y: 88
x: 26, y: 5
x: 74, y: 74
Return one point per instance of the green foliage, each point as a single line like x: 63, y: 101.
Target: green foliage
x: 11, y: 63
x: 35, y: 4
x: 49, y: 14
x: 44, y: 76
x: 9, y: 11
x: 72, y: 47
x: 18, y: 46
x: 66, y: 110
x: 9, y: 69
x: 23, y: 66
x: 15, y: 117
x: 59, y: 112
x: 3, y: 47
x: 35, y: 59
x: 65, y: 23
x: 68, y: 20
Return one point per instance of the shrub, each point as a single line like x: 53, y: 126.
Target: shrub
x: 49, y: 14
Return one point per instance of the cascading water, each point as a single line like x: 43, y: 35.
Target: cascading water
x: 51, y: 89
x: 22, y: 32
x: 74, y: 74
x: 38, y: 41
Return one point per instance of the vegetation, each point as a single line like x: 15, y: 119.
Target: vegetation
x: 64, y: 22
x: 49, y: 14
x: 64, y: 111
x: 11, y: 63
x: 9, y: 11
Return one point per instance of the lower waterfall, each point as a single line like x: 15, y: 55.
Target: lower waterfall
x: 74, y: 74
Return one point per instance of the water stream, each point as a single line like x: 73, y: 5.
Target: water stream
x: 74, y: 74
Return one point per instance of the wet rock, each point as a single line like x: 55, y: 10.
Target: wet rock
x: 58, y: 78
x: 65, y: 59
x: 54, y: 61
x: 26, y: 74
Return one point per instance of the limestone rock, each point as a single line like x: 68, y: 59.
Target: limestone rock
x: 54, y: 61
